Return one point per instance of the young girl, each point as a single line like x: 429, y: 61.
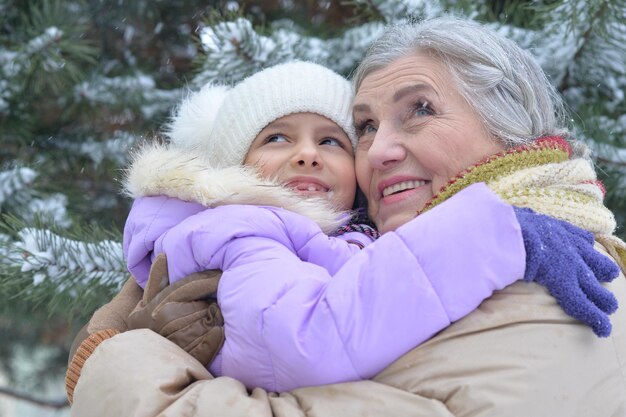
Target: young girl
x: 273, y: 158
x: 283, y: 134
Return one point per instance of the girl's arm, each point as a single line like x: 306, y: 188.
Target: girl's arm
x: 150, y: 218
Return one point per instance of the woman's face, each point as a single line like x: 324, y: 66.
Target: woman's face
x: 416, y: 132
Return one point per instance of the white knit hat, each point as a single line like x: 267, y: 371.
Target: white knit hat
x: 194, y: 118
x: 247, y: 108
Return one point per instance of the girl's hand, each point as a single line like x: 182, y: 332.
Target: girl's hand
x: 182, y: 312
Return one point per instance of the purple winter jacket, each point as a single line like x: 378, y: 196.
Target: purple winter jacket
x: 303, y: 309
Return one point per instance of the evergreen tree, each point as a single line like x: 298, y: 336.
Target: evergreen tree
x: 82, y: 82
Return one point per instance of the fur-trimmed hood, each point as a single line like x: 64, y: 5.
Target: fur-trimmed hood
x: 158, y: 169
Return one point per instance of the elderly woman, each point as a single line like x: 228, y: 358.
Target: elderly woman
x: 439, y: 106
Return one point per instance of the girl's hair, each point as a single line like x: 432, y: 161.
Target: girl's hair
x: 501, y: 81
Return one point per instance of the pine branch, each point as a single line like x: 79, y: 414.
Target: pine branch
x: 56, y: 53
x: 345, y: 52
x: 233, y: 50
x: 18, y: 195
x: 394, y: 11
x: 584, y: 41
x: 15, y: 184
x: 58, y: 271
x: 134, y: 91
x: 365, y: 10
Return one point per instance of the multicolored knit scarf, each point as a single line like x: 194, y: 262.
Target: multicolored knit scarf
x: 542, y: 176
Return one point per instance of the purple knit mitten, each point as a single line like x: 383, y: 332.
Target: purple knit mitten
x: 561, y: 257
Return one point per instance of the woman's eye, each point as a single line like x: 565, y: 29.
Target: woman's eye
x: 276, y: 139
x: 365, y: 128
x: 369, y: 129
x: 423, y: 109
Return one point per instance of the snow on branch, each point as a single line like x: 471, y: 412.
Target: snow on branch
x: 115, y: 148
x: 17, y: 194
x: 9, y: 69
x: 69, y: 265
x: 346, y: 51
x: 398, y: 10
x: 138, y: 89
x: 15, y: 185
x: 56, y: 257
x: 612, y: 150
x: 235, y: 50
x: 50, y: 36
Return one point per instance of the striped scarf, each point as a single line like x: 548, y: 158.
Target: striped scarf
x: 541, y: 176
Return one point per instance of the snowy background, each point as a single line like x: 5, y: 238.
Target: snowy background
x: 81, y: 83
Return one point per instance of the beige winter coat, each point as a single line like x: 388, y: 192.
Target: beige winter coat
x: 518, y: 354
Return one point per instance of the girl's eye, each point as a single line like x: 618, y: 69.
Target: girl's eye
x: 276, y: 139
x: 331, y: 142
x: 423, y: 108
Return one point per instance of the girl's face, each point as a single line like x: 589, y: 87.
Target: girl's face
x: 308, y: 153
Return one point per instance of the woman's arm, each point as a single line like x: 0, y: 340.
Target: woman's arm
x: 286, y: 318
x: 139, y: 373
x: 291, y: 323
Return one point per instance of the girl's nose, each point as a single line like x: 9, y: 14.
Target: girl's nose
x: 307, y: 155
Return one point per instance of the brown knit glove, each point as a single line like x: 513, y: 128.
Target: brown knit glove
x: 182, y: 312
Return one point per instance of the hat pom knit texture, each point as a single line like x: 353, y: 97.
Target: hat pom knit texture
x: 222, y: 122
x: 194, y: 118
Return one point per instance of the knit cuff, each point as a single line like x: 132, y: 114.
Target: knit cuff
x: 83, y: 353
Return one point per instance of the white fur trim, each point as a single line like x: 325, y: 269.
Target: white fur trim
x: 180, y: 173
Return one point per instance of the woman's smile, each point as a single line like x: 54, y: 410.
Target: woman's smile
x: 398, y: 189
x: 396, y: 197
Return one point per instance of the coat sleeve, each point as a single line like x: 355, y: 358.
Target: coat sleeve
x: 291, y: 323
x: 141, y: 374
x: 150, y: 218
x: 201, y: 240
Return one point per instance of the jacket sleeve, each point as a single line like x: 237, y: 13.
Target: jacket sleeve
x: 200, y: 239
x: 141, y: 374
x: 291, y: 323
x: 149, y: 218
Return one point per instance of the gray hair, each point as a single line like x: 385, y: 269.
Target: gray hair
x: 501, y: 81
